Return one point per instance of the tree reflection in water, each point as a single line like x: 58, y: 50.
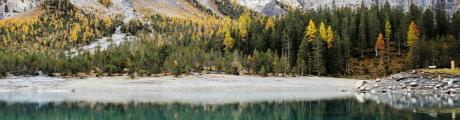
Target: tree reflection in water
x: 336, y: 109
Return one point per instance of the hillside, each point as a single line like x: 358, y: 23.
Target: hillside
x: 148, y: 37
x: 266, y: 6
x: 187, y: 9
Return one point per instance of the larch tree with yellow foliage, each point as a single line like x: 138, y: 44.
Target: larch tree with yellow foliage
x: 107, y: 3
x: 388, y: 33
x: 330, y: 37
x: 108, y: 23
x: 323, y: 31
x: 228, y: 40
x: 413, y: 34
x: 412, y: 40
x: 270, y: 24
x: 74, y: 32
x: 310, y: 33
x: 380, y: 45
x: 244, y: 24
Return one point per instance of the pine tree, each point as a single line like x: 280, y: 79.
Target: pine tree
x: 441, y: 19
x: 428, y: 23
x: 373, y: 26
x: 346, y: 45
x: 455, y: 24
x: 303, y: 56
x: 362, y: 33
x: 318, y: 61
x: 388, y: 34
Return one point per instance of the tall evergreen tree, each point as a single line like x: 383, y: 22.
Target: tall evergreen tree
x: 362, y: 33
x: 413, y: 37
x: 388, y: 34
x: 346, y: 48
x: 441, y: 20
x: 428, y: 23
x: 318, y: 58
x: 303, y: 57
x: 455, y: 24
x: 373, y: 27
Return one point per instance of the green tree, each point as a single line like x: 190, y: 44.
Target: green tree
x: 318, y: 58
x: 428, y: 23
x: 388, y: 34
x: 455, y: 24
x: 362, y: 32
x: 441, y: 20
x: 303, y: 56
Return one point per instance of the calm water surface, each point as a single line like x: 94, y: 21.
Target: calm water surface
x: 348, y: 108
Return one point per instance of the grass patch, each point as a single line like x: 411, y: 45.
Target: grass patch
x: 442, y: 71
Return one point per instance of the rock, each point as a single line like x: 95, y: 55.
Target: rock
x: 404, y: 87
x: 360, y: 83
x: 378, y: 80
x: 438, y: 86
x: 413, y: 84
x: 452, y: 81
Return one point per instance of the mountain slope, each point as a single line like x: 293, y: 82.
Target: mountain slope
x: 172, y: 8
x: 261, y: 5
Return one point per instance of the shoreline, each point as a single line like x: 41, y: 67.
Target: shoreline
x: 207, y: 89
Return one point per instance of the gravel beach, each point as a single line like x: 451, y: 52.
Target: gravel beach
x: 199, y: 89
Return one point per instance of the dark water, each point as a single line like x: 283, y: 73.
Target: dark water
x: 336, y: 109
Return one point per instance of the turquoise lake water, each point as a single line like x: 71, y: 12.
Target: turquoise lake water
x: 331, y: 109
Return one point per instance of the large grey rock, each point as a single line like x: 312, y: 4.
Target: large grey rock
x: 12, y: 7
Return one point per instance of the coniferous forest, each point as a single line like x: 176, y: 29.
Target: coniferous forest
x: 365, y: 41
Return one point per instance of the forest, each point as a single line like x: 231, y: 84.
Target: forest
x: 341, y: 42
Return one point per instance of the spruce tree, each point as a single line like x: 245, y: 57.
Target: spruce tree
x: 303, y: 56
x: 428, y: 23
x: 388, y: 34
x: 441, y: 20
x: 362, y: 33
x: 455, y: 25
x: 318, y: 59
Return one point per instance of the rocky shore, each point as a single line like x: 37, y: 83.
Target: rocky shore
x: 413, y: 82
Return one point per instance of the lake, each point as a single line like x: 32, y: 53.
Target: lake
x: 346, y: 108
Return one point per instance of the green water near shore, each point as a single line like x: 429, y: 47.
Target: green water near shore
x: 332, y: 109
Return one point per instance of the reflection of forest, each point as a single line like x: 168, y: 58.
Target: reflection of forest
x: 349, y: 109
